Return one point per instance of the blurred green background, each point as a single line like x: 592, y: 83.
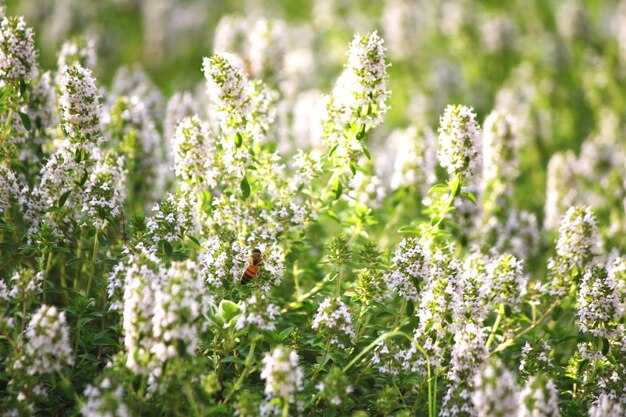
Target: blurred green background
x: 557, y: 66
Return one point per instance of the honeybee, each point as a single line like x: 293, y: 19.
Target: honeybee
x: 254, y: 262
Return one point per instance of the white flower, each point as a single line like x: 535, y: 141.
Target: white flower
x: 18, y: 57
x: 258, y: 312
x: 334, y: 319
x: 459, y: 141
x: 48, y: 348
x: 191, y: 149
x: 410, y: 269
x: 282, y: 374
x: 105, y: 401
x: 78, y: 104
x: 539, y: 398
x: 578, y: 237
x: 362, y: 88
x: 227, y: 86
x: 495, y: 392
x: 604, y: 406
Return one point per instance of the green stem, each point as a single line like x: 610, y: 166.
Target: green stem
x: 454, y: 187
x: 7, y: 125
x: 76, y: 338
x: 191, y: 399
x: 94, y: 257
x: 285, y: 407
x: 245, y: 372
x: 298, y: 302
x: 530, y: 328
x: 324, y: 356
x: 432, y: 410
x: 296, y: 279
x: 496, y: 324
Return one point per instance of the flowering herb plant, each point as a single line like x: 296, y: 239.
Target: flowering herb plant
x: 251, y: 249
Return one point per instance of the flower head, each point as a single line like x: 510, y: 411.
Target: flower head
x: 78, y: 104
x: 227, y: 86
x: 578, y: 238
x: 539, y: 398
x: 18, y: 57
x: 362, y: 88
x: 48, y: 348
x: 459, y: 141
x: 282, y: 374
x: 495, y: 392
x: 334, y: 320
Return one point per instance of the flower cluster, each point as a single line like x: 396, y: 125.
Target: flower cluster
x: 334, y: 320
x: 605, y: 406
x: 161, y: 308
x: 575, y: 249
x: 536, y: 358
x: 495, y: 393
x: 18, y: 57
x: 578, y: 238
x: 191, y: 148
x: 500, y: 156
x: 507, y: 280
x: 282, y: 374
x: 362, y: 88
x: 335, y: 388
x: 78, y: 50
x: 467, y: 356
x: 105, y: 400
x: 78, y: 104
x: 48, y: 347
x: 599, y: 308
x: 23, y: 284
x: 539, y: 398
x: 410, y: 271
x: 459, y: 141
x: 257, y: 311
x: 105, y: 190
x: 228, y: 85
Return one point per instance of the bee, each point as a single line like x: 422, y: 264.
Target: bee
x: 254, y: 262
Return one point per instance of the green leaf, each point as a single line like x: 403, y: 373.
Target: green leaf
x: 59, y: 249
x: 194, y: 240
x: 233, y: 359
x: 76, y: 261
x: 409, y: 230
x: 245, y: 188
x: 338, y: 189
x: 25, y: 120
x: 437, y: 188
x: 283, y: 334
x: 361, y: 133
x: 28, y: 247
x: 102, y: 239
x: 167, y: 247
x: 470, y: 196
x: 228, y: 310
x: 22, y: 87
x: 238, y: 140
x: 64, y: 198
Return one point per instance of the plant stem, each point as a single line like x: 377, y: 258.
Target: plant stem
x: 245, y: 372
x: 94, y: 257
x: 318, y: 287
x: 324, y: 356
x: 285, y: 407
x: 492, y: 336
x: 530, y: 328
x: 432, y: 406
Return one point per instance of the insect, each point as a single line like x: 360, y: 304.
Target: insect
x: 255, y: 261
